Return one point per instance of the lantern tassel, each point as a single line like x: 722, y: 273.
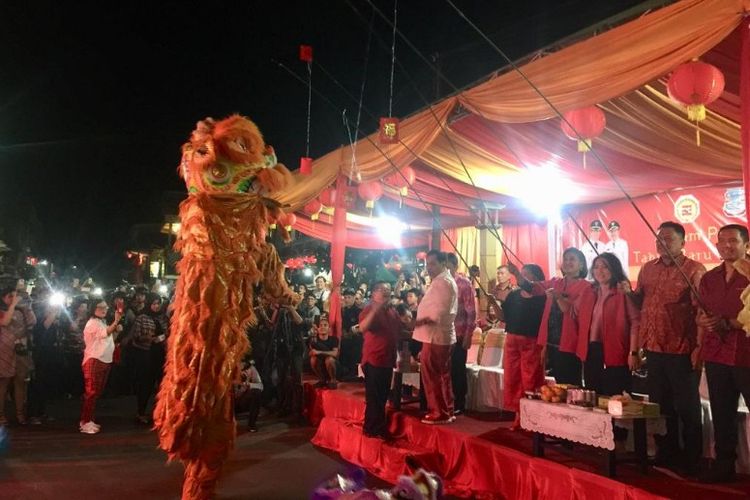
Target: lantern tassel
x: 584, y: 145
x: 696, y: 112
x: 584, y: 160
x: 370, y: 204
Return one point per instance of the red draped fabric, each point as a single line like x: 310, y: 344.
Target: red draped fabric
x: 338, y: 253
x: 745, y: 109
x: 470, y: 466
x: 529, y: 243
x: 358, y: 238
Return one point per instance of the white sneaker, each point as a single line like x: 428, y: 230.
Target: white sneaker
x: 81, y: 424
x: 90, y: 428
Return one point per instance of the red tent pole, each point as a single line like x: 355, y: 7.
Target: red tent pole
x: 745, y: 110
x: 338, y: 253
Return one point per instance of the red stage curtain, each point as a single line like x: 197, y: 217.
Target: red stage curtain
x: 745, y: 111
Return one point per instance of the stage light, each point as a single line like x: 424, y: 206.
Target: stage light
x: 163, y: 289
x: 57, y: 299
x: 307, y: 272
x: 544, y: 190
x: 97, y: 292
x: 390, y: 229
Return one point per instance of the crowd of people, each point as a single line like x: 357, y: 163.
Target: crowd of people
x: 587, y: 328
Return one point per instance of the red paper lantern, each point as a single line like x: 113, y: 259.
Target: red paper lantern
x: 588, y: 122
x: 388, y: 132
x: 403, y: 180
x: 328, y: 197
x: 695, y: 84
x: 306, y: 53
x: 305, y: 165
x: 288, y: 220
x: 313, y: 209
x: 370, y: 192
x: 271, y: 221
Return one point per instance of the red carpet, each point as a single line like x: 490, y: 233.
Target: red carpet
x: 478, y: 458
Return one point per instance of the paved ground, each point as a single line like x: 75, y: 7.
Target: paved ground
x: 122, y: 462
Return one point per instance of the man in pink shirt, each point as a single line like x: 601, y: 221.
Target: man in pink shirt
x: 436, y: 330
x: 466, y: 319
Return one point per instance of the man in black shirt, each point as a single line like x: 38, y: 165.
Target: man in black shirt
x: 324, y: 350
x: 351, y: 337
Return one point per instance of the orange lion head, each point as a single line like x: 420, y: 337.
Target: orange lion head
x: 230, y: 156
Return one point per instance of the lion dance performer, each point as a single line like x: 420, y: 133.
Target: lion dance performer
x: 229, y: 171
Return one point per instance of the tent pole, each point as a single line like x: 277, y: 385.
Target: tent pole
x: 436, y: 229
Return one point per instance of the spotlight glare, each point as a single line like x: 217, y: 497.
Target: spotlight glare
x: 390, y: 229
x: 98, y: 291
x: 57, y: 299
x: 307, y: 272
x: 544, y: 190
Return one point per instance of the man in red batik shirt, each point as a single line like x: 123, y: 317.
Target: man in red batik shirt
x: 725, y: 348
x: 668, y: 334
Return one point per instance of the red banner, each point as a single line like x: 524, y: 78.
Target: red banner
x: 702, y: 211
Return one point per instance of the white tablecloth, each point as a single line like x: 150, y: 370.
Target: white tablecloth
x: 590, y: 427
x: 485, y: 387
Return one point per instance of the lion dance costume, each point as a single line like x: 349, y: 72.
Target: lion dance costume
x: 229, y: 171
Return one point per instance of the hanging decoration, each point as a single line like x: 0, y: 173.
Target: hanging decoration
x: 371, y: 192
x: 388, y: 131
x: 288, y: 220
x: 695, y: 84
x: 328, y: 197
x: 589, y: 123
x: 403, y: 180
x: 313, y: 209
x: 306, y: 56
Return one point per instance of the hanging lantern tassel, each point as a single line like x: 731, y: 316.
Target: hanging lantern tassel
x: 305, y: 165
x: 697, y: 113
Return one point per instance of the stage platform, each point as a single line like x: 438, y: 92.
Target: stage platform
x: 480, y: 457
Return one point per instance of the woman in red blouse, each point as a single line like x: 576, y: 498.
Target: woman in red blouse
x: 563, y: 320
x: 610, y: 350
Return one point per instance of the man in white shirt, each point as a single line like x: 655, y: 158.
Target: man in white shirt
x: 617, y: 245
x: 591, y: 250
x: 435, y: 328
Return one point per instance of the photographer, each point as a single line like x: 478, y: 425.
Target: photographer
x: 16, y: 319
x: 51, y: 326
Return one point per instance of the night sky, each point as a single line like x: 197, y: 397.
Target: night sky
x: 96, y: 98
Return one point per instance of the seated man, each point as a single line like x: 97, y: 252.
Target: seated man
x: 324, y: 350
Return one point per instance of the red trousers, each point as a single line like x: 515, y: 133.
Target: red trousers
x: 95, y: 374
x: 435, y: 367
x: 522, y: 369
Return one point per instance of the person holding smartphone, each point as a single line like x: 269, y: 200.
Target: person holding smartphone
x: 97, y: 360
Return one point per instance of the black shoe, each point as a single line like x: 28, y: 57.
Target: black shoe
x: 320, y: 384
x: 252, y: 428
x: 458, y: 412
